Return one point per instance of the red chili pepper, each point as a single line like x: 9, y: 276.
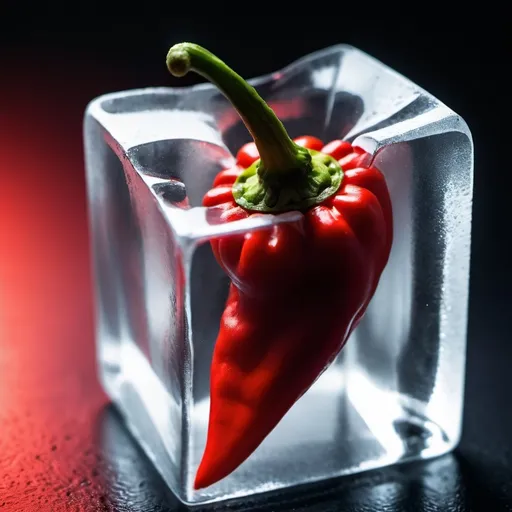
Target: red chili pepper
x: 297, y: 289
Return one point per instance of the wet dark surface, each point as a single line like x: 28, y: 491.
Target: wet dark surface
x: 63, y: 447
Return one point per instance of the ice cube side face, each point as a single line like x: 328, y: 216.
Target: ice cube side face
x: 396, y: 392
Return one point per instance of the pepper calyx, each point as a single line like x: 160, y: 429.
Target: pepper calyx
x: 298, y: 188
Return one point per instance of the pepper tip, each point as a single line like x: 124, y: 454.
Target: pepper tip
x: 209, y: 473
x: 201, y: 481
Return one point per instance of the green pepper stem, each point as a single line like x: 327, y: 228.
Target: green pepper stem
x: 277, y: 151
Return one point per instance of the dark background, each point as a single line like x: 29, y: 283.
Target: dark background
x: 62, y: 447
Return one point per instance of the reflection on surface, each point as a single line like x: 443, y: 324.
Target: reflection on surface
x: 444, y: 483
x: 131, y: 481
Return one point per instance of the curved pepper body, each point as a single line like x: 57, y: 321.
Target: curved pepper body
x: 297, y: 292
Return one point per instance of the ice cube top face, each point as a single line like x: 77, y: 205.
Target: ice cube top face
x: 395, y: 393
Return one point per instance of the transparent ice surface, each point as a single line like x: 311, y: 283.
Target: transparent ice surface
x: 396, y: 391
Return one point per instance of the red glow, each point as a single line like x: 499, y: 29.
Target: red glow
x: 49, y: 395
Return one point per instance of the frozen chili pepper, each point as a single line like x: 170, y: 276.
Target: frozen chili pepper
x: 298, y: 289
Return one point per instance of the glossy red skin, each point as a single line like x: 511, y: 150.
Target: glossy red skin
x: 297, y: 293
